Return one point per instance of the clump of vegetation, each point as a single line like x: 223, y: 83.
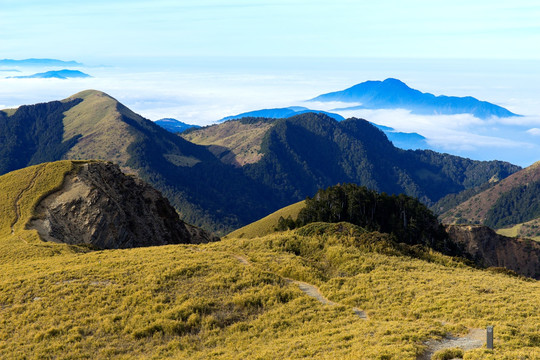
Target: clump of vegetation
x: 406, y: 218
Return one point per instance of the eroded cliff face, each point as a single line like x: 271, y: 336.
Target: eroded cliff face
x: 99, y: 205
x: 491, y: 249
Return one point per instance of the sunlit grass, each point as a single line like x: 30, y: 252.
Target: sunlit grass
x: 268, y: 224
x: 187, y: 301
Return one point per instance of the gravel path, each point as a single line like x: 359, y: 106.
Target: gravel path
x: 308, y: 289
x: 473, y: 340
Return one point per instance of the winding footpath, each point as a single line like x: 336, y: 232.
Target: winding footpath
x: 473, y: 340
x: 308, y: 289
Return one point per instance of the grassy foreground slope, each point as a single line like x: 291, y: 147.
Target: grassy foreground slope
x: 20, y: 192
x: 232, y: 299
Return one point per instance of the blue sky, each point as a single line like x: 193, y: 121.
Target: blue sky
x: 98, y: 29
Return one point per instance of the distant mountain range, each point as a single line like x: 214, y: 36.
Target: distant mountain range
x: 174, y: 126
x: 230, y: 174
x: 395, y: 94
x: 55, y: 74
x: 38, y: 62
x: 281, y: 113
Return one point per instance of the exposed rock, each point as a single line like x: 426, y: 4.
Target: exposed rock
x: 99, y: 205
x: 488, y: 248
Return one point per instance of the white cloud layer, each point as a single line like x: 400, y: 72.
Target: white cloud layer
x: 200, y: 94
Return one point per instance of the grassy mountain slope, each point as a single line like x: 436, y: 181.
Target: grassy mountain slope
x: 511, y: 203
x: 267, y: 224
x: 235, y: 142
x: 284, y: 160
x: 235, y: 299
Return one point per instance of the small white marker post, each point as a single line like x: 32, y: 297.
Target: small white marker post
x: 489, y: 334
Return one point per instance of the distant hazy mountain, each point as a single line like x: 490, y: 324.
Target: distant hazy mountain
x: 281, y: 113
x: 174, y: 126
x: 38, y: 62
x: 55, y: 74
x: 394, y: 94
x: 407, y: 141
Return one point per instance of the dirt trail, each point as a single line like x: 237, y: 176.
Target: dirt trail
x: 16, y: 206
x: 308, y: 289
x: 473, y: 340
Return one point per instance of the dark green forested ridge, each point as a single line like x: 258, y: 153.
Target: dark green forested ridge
x: 402, y: 216
x: 209, y: 193
x: 312, y: 151
x: 518, y: 205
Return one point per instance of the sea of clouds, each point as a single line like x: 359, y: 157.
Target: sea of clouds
x: 201, y: 92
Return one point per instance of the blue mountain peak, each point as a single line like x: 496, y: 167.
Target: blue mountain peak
x: 395, y: 94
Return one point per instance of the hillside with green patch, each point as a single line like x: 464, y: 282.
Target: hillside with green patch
x: 235, y: 142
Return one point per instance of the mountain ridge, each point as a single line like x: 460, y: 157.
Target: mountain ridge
x: 280, y: 113
x: 55, y: 74
x: 38, y: 62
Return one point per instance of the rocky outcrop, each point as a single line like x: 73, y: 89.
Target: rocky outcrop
x: 98, y: 205
x: 488, y: 248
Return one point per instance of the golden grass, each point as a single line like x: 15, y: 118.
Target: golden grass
x: 20, y: 192
x: 97, y: 119
x: 267, y: 224
x: 200, y: 302
x: 9, y: 112
x: 529, y: 229
x: 242, y: 140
